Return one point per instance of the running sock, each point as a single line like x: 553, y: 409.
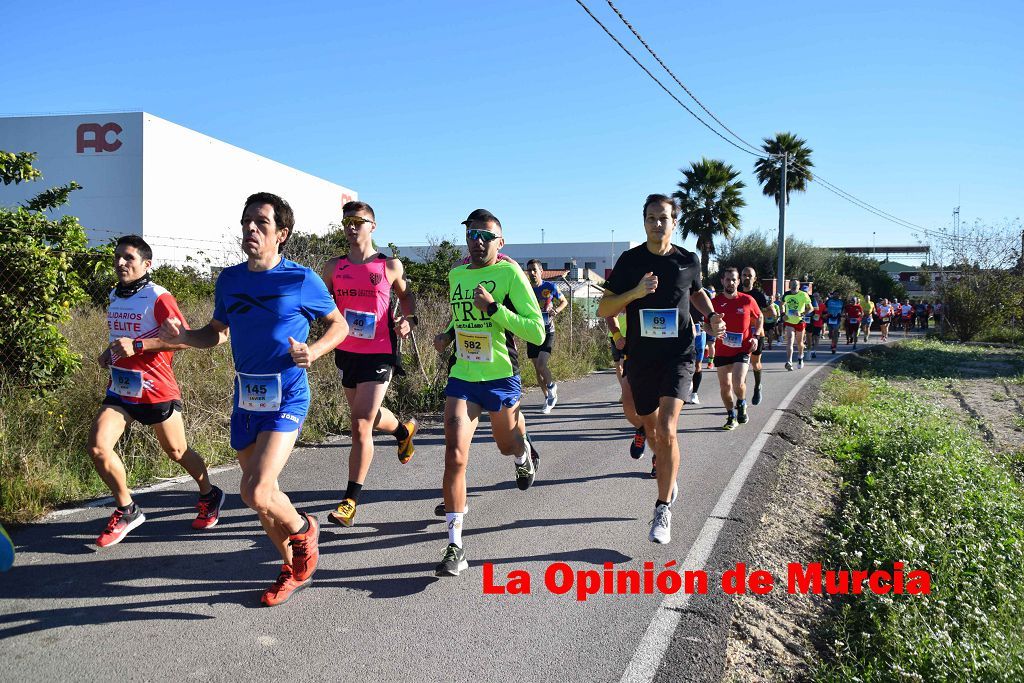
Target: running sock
x: 401, y: 433
x: 209, y: 496
x: 305, y: 526
x: 757, y: 379
x: 128, y: 509
x: 523, y: 457
x: 697, y: 377
x: 732, y: 413
x: 454, y: 520
x: 660, y: 502
x: 353, y: 491
x: 742, y: 403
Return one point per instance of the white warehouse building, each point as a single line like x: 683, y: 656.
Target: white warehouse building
x: 181, y: 190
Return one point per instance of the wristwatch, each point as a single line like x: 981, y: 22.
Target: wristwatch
x: 137, y: 346
x: 414, y: 319
x: 492, y: 308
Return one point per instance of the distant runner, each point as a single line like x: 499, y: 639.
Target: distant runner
x: 551, y: 303
x: 748, y: 279
x: 795, y: 304
x: 742, y: 316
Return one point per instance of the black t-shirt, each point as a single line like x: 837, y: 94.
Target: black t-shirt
x: 658, y: 326
x: 759, y: 297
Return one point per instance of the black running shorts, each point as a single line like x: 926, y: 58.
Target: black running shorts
x: 145, y: 413
x: 649, y: 382
x: 722, y: 361
x: 533, y: 351
x: 357, y: 368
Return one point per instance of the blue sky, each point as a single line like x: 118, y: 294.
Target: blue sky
x: 432, y: 109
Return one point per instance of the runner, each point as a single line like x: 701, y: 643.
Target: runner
x: 854, y: 314
x: 709, y: 343
x: 362, y: 282
x: 142, y: 388
x: 834, y: 308
x: 700, y: 347
x: 921, y: 310
x: 907, y: 316
x: 491, y: 301
x: 617, y: 328
x: 657, y: 283
x: 747, y: 280
x: 795, y: 303
x: 884, y: 313
x: 6, y: 550
x: 771, y: 318
x: 869, y: 310
x: 269, y: 302
x: 817, y: 323
x: 742, y: 316
x: 551, y: 304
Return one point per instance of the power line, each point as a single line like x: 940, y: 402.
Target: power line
x: 662, y: 85
x: 643, y: 42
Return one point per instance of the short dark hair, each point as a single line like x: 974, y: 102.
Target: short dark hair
x: 353, y: 207
x: 733, y: 269
x: 482, y: 215
x: 284, y: 217
x: 532, y: 261
x: 660, y: 199
x: 140, y: 245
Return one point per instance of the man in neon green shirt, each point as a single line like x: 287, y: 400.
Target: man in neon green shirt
x: 492, y: 302
x: 795, y: 303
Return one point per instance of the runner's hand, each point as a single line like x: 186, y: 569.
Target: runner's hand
x: 620, y: 343
x: 716, y: 326
x: 754, y: 342
x: 122, y: 346
x: 300, y: 353
x: 171, y: 331
x: 403, y: 328
x: 104, y: 359
x: 441, y: 342
x: 647, y: 285
x: 482, y: 298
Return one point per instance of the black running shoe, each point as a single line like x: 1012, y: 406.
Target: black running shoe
x: 741, y: 414
x: 525, y: 474
x: 756, y: 398
x: 730, y: 424
x: 453, y: 561
x: 636, y: 446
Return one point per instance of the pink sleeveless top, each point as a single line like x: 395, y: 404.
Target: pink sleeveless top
x: 363, y: 295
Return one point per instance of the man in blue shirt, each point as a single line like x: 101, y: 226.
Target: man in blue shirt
x: 269, y: 302
x: 551, y: 303
x: 834, y: 306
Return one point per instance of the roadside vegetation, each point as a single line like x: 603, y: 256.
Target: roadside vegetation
x: 922, y: 485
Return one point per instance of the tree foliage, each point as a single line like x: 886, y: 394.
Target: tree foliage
x: 429, y: 277
x: 798, y: 172
x: 710, y: 200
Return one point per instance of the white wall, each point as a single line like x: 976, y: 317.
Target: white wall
x: 110, y: 203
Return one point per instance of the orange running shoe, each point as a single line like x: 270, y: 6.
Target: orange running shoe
x: 305, y: 550
x: 285, y: 587
x: 405, y: 446
x: 209, y: 509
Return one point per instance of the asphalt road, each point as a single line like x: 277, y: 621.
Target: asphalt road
x: 173, y: 603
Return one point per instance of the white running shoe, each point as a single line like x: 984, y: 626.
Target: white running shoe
x: 694, y: 399
x: 553, y: 394
x: 661, y: 525
x: 549, y: 403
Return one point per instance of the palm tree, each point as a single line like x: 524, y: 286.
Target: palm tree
x: 798, y: 172
x: 709, y: 201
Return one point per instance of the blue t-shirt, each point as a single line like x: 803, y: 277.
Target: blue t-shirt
x: 834, y: 307
x: 547, y: 293
x: 263, y: 309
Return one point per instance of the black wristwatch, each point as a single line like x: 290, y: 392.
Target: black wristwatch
x: 137, y: 346
x: 414, y: 319
x: 492, y: 308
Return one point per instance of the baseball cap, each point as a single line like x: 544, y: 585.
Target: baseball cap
x: 481, y: 215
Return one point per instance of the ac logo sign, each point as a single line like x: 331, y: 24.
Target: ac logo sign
x: 99, y: 138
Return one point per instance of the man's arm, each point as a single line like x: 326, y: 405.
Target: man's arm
x: 406, y: 297
x: 702, y: 302
x: 611, y: 303
x: 560, y: 306
x: 337, y: 330
x: 174, y: 333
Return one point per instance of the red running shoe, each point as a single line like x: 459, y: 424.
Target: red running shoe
x: 209, y: 509
x: 285, y: 587
x: 305, y: 550
x: 119, y: 525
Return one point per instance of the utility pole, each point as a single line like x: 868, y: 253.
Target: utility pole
x: 781, y: 271
x: 542, y: 235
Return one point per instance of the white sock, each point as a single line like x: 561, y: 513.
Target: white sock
x: 455, y: 527
x: 522, y: 458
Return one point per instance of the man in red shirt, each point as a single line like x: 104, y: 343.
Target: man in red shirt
x: 854, y: 314
x: 744, y: 325
x: 142, y: 388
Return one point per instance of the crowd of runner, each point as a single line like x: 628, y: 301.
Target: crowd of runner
x: 664, y: 324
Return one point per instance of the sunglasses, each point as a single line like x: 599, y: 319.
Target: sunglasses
x: 354, y: 220
x: 485, y: 235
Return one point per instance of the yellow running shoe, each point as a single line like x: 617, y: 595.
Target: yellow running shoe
x: 406, y: 448
x: 345, y: 513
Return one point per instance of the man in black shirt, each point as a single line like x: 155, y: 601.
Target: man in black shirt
x: 747, y: 279
x: 656, y: 283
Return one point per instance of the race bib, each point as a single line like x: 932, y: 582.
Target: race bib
x: 659, y: 322
x: 792, y: 312
x: 361, y: 325
x: 126, y: 382
x: 807, y: 318
x: 833, y: 320
x: 259, y: 393
x: 474, y: 347
x: 854, y: 321
x: 734, y: 340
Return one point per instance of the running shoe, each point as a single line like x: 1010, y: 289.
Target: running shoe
x: 209, y: 509
x: 741, y: 414
x: 525, y: 474
x: 661, y: 525
x: 694, y: 398
x: 730, y: 423
x: 305, y: 550
x: 439, y: 510
x: 6, y: 550
x: 800, y: 363
x: 118, y: 526
x: 789, y: 366
x: 285, y: 587
x: 452, y: 562
x: 854, y: 344
x: 406, y: 448
x: 756, y: 398
x: 814, y: 354
x: 636, y: 446
x: 344, y: 513
x: 654, y: 468
x: 534, y: 455
x: 833, y: 350
x: 553, y: 394
x: 710, y: 363
x: 549, y: 403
